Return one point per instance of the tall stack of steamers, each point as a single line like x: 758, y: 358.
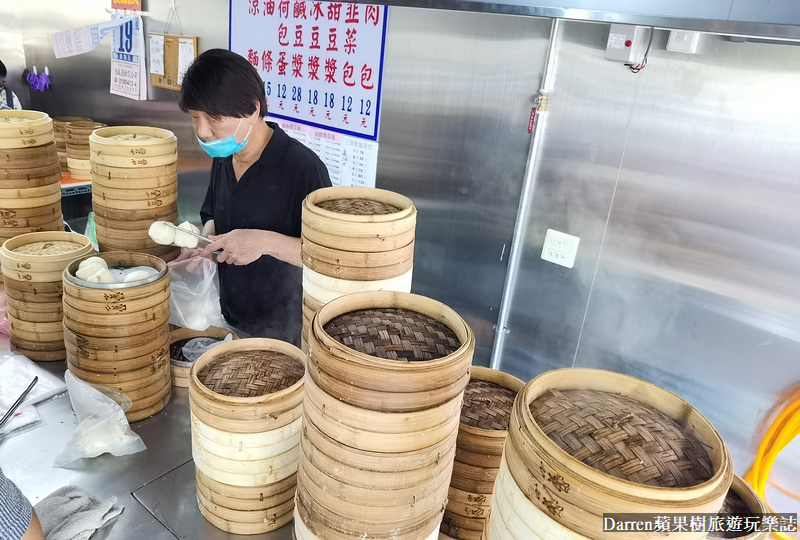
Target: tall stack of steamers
x: 381, y: 428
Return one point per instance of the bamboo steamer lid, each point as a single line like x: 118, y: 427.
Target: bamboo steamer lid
x: 25, y: 129
x: 582, y: 490
x: 361, y: 378
x: 178, y: 338
x: 741, y: 500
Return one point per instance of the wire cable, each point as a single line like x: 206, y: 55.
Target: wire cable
x: 640, y: 66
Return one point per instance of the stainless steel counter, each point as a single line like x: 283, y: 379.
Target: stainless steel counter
x: 156, y: 486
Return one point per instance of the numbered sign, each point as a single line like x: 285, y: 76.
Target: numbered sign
x: 127, y: 60
x: 321, y: 62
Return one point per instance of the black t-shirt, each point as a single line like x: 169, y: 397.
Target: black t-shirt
x: 264, y: 298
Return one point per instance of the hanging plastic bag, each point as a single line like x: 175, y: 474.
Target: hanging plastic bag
x: 194, y: 300
x: 16, y: 373
x: 102, y: 426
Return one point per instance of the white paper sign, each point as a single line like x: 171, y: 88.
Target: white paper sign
x: 321, y: 61
x: 84, y: 39
x: 351, y: 161
x: 128, y: 73
x: 156, y: 54
x: 185, y: 57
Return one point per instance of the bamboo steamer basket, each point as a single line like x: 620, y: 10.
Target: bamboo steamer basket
x: 488, y: 401
x: 742, y: 499
x: 25, y: 129
x: 177, y: 338
x: 578, y: 494
x: 76, y: 147
x: 353, y: 240
x: 37, y: 259
x: 354, y: 232
x: 134, y: 183
x: 116, y: 335
x: 245, y: 437
x: 380, y: 466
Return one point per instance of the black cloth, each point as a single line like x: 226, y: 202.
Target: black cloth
x: 264, y: 298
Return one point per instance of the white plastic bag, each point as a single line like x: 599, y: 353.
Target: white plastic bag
x: 194, y: 300
x: 17, y: 372
x: 102, y: 426
x: 195, y: 348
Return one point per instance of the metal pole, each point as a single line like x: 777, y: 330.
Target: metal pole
x: 526, y: 197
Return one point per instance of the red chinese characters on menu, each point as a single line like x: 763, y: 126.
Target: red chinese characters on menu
x: 323, y: 58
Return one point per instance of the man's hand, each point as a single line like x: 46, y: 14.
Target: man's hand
x: 240, y: 246
x: 244, y: 246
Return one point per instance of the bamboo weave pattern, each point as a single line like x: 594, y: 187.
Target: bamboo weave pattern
x: 358, y: 207
x: 487, y: 405
x: 52, y: 247
x: 251, y: 373
x: 393, y: 334
x: 623, y: 437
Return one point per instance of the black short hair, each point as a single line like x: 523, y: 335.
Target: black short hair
x: 3, y: 71
x: 222, y: 83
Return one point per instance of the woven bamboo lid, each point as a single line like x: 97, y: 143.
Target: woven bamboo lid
x: 54, y: 247
x: 251, y: 373
x: 623, y: 437
x: 487, y: 405
x: 393, y: 334
x: 358, y: 207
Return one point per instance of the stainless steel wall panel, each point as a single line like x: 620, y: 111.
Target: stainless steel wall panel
x: 578, y: 166
x: 458, y: 90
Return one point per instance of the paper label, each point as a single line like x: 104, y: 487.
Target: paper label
x: 84, y: 39
x: 156, y: 54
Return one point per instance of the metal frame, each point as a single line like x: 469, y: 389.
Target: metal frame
x: 526, y: 197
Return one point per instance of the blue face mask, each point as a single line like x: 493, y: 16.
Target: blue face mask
x: 226, y: 146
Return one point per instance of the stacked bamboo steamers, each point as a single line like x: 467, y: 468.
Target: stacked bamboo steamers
x: 116, y: 335
x: 30, y: 175
x: 246, y: 400
x: 77, y: 147
x: 134, y: 173
x: 354, y: 240
x: 584, y: 442
x: 385, y: 379
x: 32, y: 266
x: 485, y: 415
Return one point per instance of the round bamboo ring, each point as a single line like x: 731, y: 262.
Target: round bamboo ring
x: 29, y: 158
x: 35, y: 336
x: 134, y: 175
x: 147, y: 183
x: 137, y: 204
x: 53, y: 209
x: 266, y: 521
x: 357, y: 266
x: 232, y: 503
x: 154, y: 214
x: 533, y: 457
x: 78, y: 357
x: 104, y: 193
x: 23, y: 315
x: 111, y: 349
x: 47, y: 262
x: 34, y: 307
x: 34, y: 202
x: 324, y: 288
x: 246, y: 447
x: 122, y: 291
x: 158, y: 298
x: 125, y: 333
x: 440, y: 380
x: 126, y: 245
x: 158, y: 402
x: 29, y: 192
x: 29, y: 180
x: 362, y: 429
x: 755, y: 504
x: 117, y: 373
x: 143, y: 225
x: 134, y: 162
x: 33, y: 221
x: 7, y: 143
x: 102, y: 139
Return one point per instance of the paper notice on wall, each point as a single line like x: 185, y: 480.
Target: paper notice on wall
x: 84, y: 39
x: 128, y: 72
x: 186, y: 54
x: 351, y: 161
x: 156, y: 54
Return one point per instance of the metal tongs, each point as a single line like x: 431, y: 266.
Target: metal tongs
x: 20, y: 399
x: 200, y: 236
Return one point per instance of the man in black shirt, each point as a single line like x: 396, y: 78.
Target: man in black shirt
x: 252, y: 210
